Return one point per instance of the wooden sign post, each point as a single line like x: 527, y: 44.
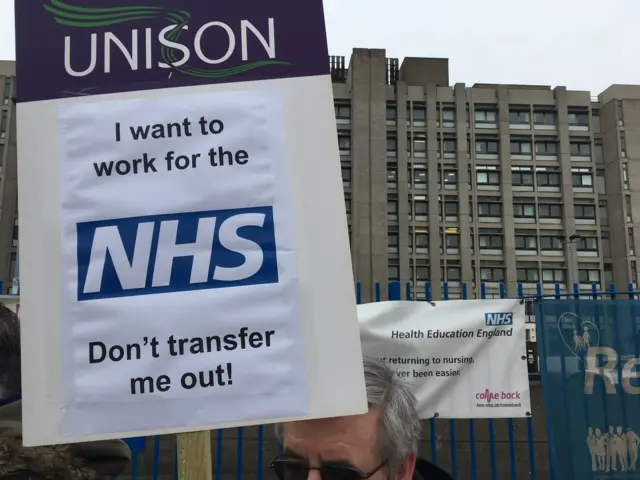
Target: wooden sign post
x: 194, y: 456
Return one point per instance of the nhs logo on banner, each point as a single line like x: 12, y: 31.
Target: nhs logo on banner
x: 498, y: 319
x: 176, y: 253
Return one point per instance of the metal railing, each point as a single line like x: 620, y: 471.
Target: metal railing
x: 473, y: 449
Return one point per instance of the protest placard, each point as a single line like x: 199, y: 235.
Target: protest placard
x: 182, y: 220
x: 462, y: 358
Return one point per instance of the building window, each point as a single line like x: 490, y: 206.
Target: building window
x: 449, y: 146
x: 620, y: 112
x: 544, y: 118
x: 601, y: 185
x: 393, y: 239
x: 419, y: 144
x: 490, y: 239
x: 628, y: 210
x: 551, y: 242
x: 422, y: 274
x: 524, y: 208
x: 419, y: 114
x: 487, y: 177
x: 582, y: 178
x: 422, y: 241
x: 489, y: 207
x: 421, y: 210
x: 492, y: 274
x: 392, y: 113
x: 580, y: 148
x: 587, y: 244
x: 547, y: 147
x: 526, y: 240
x: 548, y: 210
x: 452, y: 241
x: 584, y: 211
x: 448, y: 117
x: 548, y: 178
x: 344, y: 143
x: 7, y: 90
x: 520, y: 146
x: 420, y: 178
x: 343, y: 113
x: 347, y: 203
x: 553, y: 275
x: 625, y: 176
x: 346, y: 175
x: 605, y: 242
x: 603, y: 212
x: 527, y: 275
x: 450, y: 179
x: 394, y: 271
x: 453, y: 274
x: 578, y: 118
x: 623, y: 145
x: 450, y: 208
x: 598, y: 151
x: 588, y: 276
x: 392, y: 176
x: 392, y: 145
x: 522, y: 178
x: 485, y: 117
x: 519, y: 116
x: 487, y: 146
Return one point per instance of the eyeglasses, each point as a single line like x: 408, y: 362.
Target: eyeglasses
x: 293, y: 469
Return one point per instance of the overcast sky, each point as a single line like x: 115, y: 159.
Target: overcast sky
x: 582, y: 44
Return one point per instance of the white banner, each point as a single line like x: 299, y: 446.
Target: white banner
x: 463, y: 358
x: 199, y: 237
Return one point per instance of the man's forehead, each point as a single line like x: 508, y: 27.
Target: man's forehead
x: 332, y: 433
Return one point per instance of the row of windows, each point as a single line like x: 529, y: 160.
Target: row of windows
x: 418, y: 210
x: 519, y: 115
x: 493, y: 239
x: 490, y: 176
x: 452, y: 273
x: 487, y: 207
x: 522, y: 146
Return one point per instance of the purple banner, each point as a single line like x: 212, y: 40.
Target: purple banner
x: 68, y: 48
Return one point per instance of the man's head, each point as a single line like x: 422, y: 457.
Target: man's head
x: 382, y: 442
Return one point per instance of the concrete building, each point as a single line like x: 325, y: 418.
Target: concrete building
x: 485, y: 183
x: 8, y: 179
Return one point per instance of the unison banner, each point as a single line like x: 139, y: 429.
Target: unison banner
x: 589, y: 357
x: 464, y: 359
x: 182, y: 219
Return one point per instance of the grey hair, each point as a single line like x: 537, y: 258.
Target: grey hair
x: 400, y: 428
x: 9, y: 353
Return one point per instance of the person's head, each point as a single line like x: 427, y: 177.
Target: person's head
x: 382, y: 442
x: 9, y: 353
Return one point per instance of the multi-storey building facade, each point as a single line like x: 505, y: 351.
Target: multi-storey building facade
x: 8, y: 179
x: 485, y: 184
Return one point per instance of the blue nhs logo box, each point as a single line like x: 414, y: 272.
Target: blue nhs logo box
x: 498, y: 319
x: 176, y: 253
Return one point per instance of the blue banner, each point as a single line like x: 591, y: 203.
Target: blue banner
x: 589, y: 366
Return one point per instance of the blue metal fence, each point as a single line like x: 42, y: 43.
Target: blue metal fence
x: 473, y: 446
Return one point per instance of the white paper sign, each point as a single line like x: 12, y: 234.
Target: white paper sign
x: 463, y: 358
x: 180, y: 208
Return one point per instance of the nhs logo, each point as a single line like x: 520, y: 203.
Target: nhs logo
x: 498, y: 319
x: 176, y: 253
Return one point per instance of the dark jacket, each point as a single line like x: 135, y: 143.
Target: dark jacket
x: 78, y: 461
x: 428, y: 471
